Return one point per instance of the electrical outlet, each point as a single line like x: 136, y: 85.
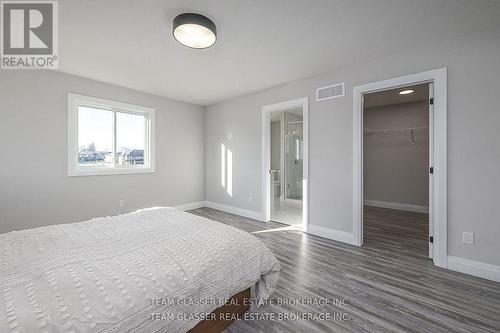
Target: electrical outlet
x: 468, y: 238
x: 121, y: 203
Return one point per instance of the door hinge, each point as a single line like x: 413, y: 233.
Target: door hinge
x: 431, y: 239
x: 431, y: 170
x: 431, y: 101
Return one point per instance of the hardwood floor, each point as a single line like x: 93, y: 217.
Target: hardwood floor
x: 388, y: 284
x: 396, y: 232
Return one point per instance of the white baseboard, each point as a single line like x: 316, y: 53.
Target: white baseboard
x: 341, y: 236
x: 397, y: 206
x: 191, y: 205
x: 234, y: 210
x: 476, y: 268
x: 337, y: 235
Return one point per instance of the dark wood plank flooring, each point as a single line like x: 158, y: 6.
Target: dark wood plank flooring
x: 388, y: 284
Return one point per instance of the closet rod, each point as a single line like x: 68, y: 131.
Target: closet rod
x: 369, y: 131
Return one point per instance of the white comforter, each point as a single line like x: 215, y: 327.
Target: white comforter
x: 104, y: 275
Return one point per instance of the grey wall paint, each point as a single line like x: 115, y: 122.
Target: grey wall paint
x: 34, y: 187
x: 473, y: 154
x: 394, y: 169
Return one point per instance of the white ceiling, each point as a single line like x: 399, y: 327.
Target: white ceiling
x: 261, y: 43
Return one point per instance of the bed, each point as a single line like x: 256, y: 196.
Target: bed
x: 155, y: 270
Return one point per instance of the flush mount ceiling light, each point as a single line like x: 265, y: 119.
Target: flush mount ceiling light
x: 195, y: 30
x: 406, y: 92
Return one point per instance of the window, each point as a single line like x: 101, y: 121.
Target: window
x: 108, y: 137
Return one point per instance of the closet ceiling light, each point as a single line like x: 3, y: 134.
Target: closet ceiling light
x: 195, y: 30
x: 406, y: 92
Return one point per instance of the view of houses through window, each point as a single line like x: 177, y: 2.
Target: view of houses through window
x: 98, y: 132
x: 130, y: 138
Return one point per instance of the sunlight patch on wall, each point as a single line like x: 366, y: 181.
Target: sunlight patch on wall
x: 223, y: 165
x: 229, y: 187
x: 226, y: 167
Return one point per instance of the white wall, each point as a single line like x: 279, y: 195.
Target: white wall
x: 395, y: 170
x: 473, y: 153
x: 34, y: 187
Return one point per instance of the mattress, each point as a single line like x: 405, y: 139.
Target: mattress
x: 155, y: 270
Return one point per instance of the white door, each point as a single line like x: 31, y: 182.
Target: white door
x: 431, y: 169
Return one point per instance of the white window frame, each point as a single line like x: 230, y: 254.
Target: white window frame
x: 75, y: 101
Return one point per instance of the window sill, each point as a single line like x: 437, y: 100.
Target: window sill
x: 110, y: 171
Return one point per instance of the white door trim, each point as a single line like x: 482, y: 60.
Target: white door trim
x: 438, y: 202
x: 431, y: 164
x: 266, y: 154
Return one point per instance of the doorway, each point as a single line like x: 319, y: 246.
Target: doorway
x: 437, y: 164
x: 287, y: 141
x: 396, y: 155
x: 285, y: 162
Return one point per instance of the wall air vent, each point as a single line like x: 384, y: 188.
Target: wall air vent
x: 333, y: 91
